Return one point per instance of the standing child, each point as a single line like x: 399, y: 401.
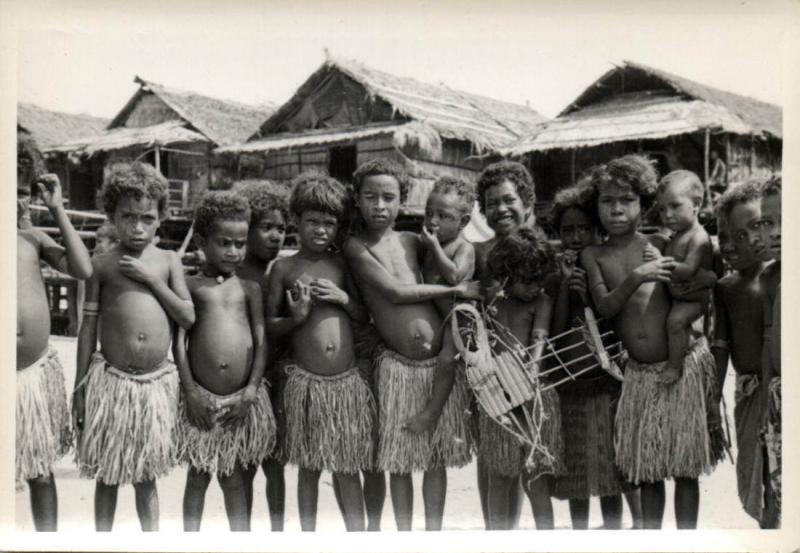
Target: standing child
x: 125, y: 404
x: 661, y: 431
x: 588, y: 403
x: 330, y: 410
x: 269, y: 216
x: 42, y: 417
x: 739, y: 335
x: 679, y: 196
x: 521, y: 261
x: 226, y: 421
x: 386, y: 267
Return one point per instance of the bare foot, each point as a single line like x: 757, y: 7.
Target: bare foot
x: 669, y: 375
x: 419, y: 423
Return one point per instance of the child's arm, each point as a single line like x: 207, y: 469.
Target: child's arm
x: 720, y: 345
x: 87, y: 345
x: 198, y: 409
x: 455, y: 270
x: 73, y: 258
x: 698, y: 250
x: 541, y: 324
x: 299, y: 309
x: 611, y: 302
x: 374, y: 274
x: 173, y: 296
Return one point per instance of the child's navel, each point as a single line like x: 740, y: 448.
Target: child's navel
x: 142, y: 336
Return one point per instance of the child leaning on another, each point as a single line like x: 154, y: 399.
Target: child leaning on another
x: 125, y: 404
x: 226, y: 421
x: 329, y: 408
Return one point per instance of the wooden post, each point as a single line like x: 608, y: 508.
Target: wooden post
x: 752, y: 154
x: 706, y: 153
x: 727, y: 158
x: 157, y: 153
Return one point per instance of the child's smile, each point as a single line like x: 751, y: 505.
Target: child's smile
x: 505, y: 210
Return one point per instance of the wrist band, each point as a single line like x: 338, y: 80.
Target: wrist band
x: 721, y: 344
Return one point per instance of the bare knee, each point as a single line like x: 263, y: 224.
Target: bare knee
x: 677, y: 322
x: 45, y: 480
x: 232, y: 481
x: 145, y: 486
x: 197, y: 479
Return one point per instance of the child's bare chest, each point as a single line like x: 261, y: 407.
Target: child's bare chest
x: 308, y: 271
x: 616, y: 264
x: 228, y: 296
x: 399, y: 259
x: 518, y: 318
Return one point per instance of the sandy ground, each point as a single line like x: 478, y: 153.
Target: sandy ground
x: 719, y: 504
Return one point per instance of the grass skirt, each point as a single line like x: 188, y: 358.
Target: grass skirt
x: 130, y: 427
x: 662, y: 431
x: 587, y: 417
x: 748, y: 414
x: 43, y: 420
x: 220, y: 449
x: 404, y: 387
x: 329, y: 421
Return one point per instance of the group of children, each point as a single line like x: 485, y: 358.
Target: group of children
x: 338, y: 358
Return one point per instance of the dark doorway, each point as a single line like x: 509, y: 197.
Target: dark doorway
x: 342, y: 162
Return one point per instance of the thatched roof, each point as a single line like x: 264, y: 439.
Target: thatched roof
x: 634, y: 102
x: 223, y: 122
x: 169, y: 132
x: 487, y: 123
x: 54, y: 127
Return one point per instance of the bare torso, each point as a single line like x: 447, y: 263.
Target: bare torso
x: 743, y: 298
x: 33, y: 310
x: 678, y: 246
x: 517, y: 317
x: 221, y: 341
x: 432, y: 275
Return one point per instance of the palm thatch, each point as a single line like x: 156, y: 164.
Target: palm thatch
x: 49, y: 128
x: 169, y: 132
x: 486, y: 123
x: 635, y: 102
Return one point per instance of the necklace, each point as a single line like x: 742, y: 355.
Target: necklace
x: 220, y: 278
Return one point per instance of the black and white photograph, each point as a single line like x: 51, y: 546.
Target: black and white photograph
x: 286, y: 268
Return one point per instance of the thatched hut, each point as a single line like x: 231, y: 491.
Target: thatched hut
x: 346, y: 113
x: 721, y: 136
x: 174, y: 130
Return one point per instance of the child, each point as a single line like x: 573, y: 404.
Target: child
x: 738, y: 336
x: 521, y: 260
x: 125, y: 404
x: 42, y: 417
x: 105, y: 239
x: 679, y: 196
x: 226, y: 420
x: 269, y: 216
x: 661, y: 431
x: 386, y: 267
x: 506, y: 196
x: 587, y: 403
x: 329, y: 408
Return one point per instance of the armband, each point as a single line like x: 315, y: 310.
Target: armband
x: 91, y: 308
x: 721, y: 344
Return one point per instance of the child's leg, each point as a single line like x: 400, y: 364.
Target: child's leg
x: 147, y: 504
x: 611, y: 507
x: 579, y: 513
x: 44, y: 503
x: 105, y: 505
x: 307, y: 492
x: 194, y: 498
x: 687, y: 503
x: 652, y: 494
x: 682, y: 314
x: 443, y: 378
x: 538, y: 491
x: 515, y: 496
x: 248, y: 475
x: 276, y: 492
x: 374, y: 497
x: 498, y: 489
x: 352, y: 500
x: 402, y: 490
x: 634, y: 501
x: 483, y: 489
x: 233, y: 490
x: 434, y: 491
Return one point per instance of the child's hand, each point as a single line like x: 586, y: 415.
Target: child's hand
x: 50, y: 190
x: 199, y: 411
x: 429, y: 239
x: 566, y: 263
x: 238, y: 411
x: 298, y: 299
x: 469, y: 289
x: 577, y: 283
x: 650, y: 253
x: 133, y: 268
x: 657, y: 270
x: 324, y: 290
x: 78, y: 409
x: 490, y: 290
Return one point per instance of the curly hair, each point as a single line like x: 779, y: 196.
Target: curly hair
x: 314, y: 191
x: 497, y: 173
x: 219, y: 205
x: 578, y: 196
x: 264, y: 197
x: 463, y: 189
x: 739, y: 194
x: 771, y: 187
x: 137, y: 180
x: 633, y: 170
x: 30, y: 160
x: 522, y: 256
x: 687, y: 180
x: 381, y: 166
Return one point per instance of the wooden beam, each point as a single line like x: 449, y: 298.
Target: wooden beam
x: 706, y: 155
x: 157, y: 152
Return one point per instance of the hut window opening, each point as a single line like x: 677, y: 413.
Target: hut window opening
x: 342, y: 162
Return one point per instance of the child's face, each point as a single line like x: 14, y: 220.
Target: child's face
x: 266, y: 237
x: 104, y: 243
x: 443, y: 216
x: 316, y: 230
x: 525, y: 291
x: 744, y: 225
x: 770, y: 225
x: 379, y: 201
x: 504, y: 208
x: 737, y: 254
x: 225, y: 246
x: 576, y: 230
x: 619, y: 208
x: 677, y: 209
x: 136, y: 221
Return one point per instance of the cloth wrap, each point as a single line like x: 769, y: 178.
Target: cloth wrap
x: 774, y: 447
x: 748, y: 414
x: 130, y: 423
x: 404, y: 386
x: 669, y: 431
x: 43, y: 422
x: 329, y: 421
x: 221, y: 449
